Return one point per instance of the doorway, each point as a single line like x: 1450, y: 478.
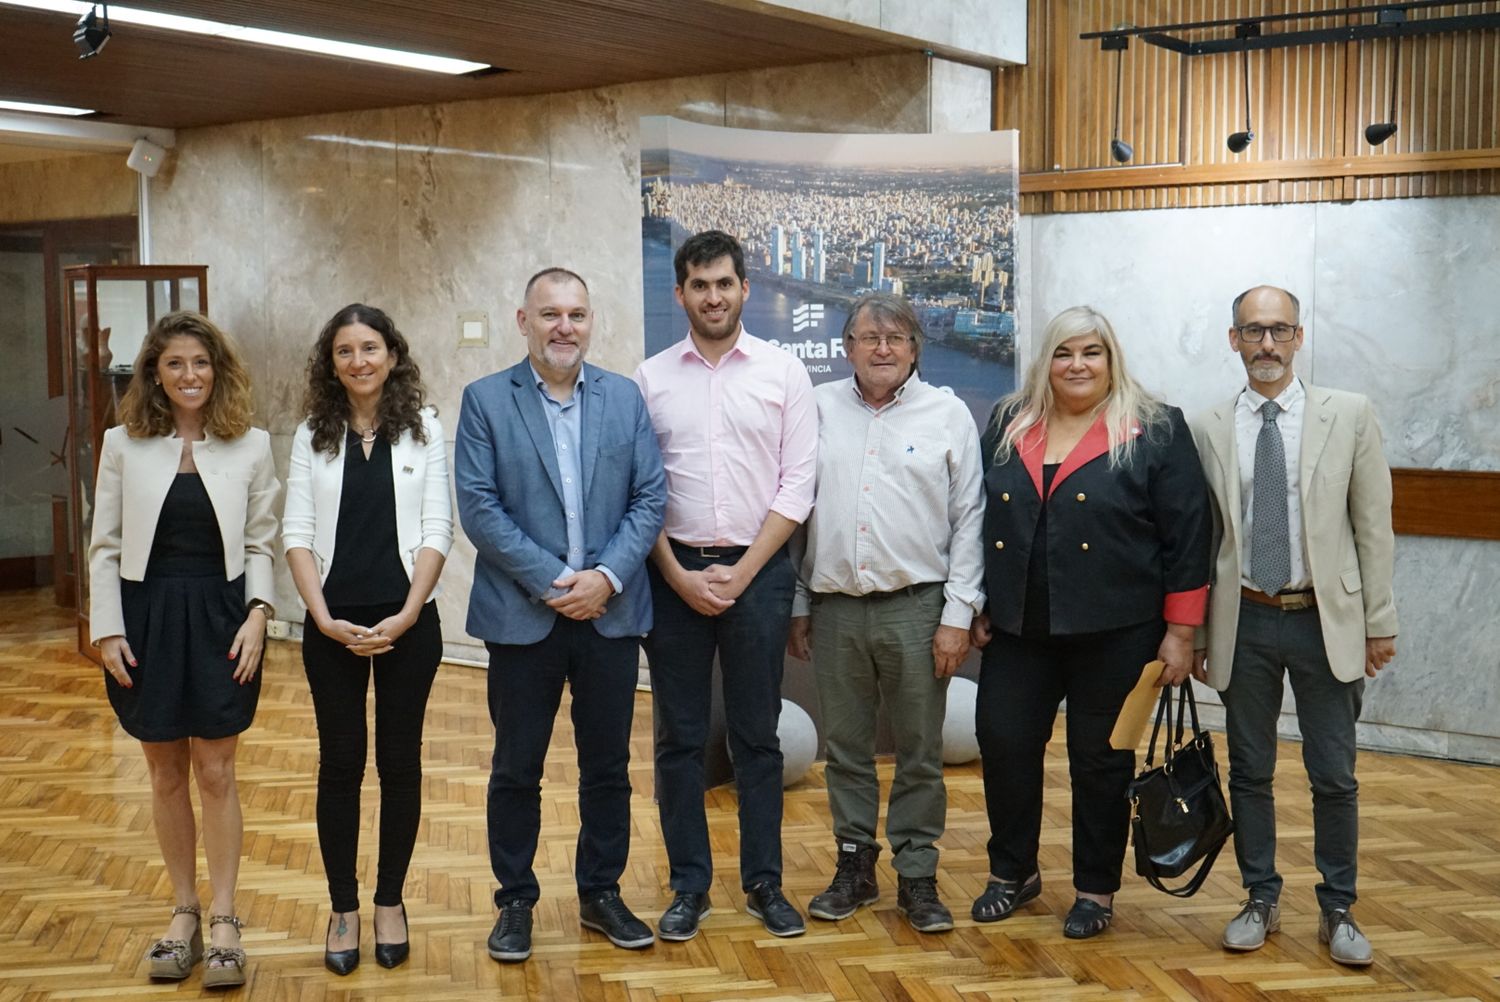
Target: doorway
x: 37, y: 541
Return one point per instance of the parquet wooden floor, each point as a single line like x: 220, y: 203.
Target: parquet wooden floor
x: 82, y: 892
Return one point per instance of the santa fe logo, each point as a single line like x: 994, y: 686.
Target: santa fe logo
x: 807, y: 315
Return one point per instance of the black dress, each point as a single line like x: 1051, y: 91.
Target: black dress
x: 180, y: 623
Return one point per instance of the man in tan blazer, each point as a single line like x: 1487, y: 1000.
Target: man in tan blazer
x: 1301, y: 589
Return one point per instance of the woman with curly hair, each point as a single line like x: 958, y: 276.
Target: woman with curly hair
x: 367, y: 527
x: 180, y: 589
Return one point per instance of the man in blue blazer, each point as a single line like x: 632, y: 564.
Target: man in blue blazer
x: 561, y: 490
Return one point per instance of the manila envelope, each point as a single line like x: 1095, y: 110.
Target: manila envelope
x: 1130, y: 725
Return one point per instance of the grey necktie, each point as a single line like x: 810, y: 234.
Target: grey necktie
x: 1270, y: 545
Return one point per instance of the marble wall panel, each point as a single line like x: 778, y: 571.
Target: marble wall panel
x: 331, y: 225
x: 472, y: 179
x: 1408, y: 311
x: 1447, y: 673
x: 71, y: 187
x: 1165, y: 279
x: 880, y: 94
x: 207, y: 206
x: 987, y: 29
x: 962, y: 97
x: 594, y: 220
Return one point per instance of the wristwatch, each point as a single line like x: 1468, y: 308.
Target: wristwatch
x: 263, y: 606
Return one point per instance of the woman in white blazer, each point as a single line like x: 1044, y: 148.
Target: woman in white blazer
x: 180, y: 589
x: 367, y: 527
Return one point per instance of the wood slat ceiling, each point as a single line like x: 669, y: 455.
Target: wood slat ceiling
x: 152, y: 77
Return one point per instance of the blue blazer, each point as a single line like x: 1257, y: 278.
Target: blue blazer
x: 510, y: 502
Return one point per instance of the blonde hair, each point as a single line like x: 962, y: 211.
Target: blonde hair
x: 1126, y: 403
x: 145, y: 410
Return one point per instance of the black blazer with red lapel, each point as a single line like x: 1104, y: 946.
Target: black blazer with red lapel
x: 1124, y: 545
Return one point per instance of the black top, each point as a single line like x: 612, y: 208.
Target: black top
x: 367, y: 567
x: 1121, y: 542
x: 1036, y: 621
x: 187, y: 542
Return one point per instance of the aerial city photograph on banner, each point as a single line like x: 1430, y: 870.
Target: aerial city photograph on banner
x: 826, y: 218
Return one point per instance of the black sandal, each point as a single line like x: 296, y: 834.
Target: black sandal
x: 1087, y: 919
x: 1002, y: 897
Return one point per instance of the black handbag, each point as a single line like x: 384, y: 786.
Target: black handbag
x: 1178, y: 813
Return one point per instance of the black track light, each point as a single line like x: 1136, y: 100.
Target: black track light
x: 1378, y: 132
x: 1239, y: 141
x: 1118, y: 148
x: 91, y: 34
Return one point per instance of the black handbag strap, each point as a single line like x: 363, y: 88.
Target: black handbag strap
x: 1186, y: 706
x: 1163, y: 710
x: 1193, y: 885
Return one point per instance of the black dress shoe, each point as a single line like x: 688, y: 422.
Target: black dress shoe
x: 394, y: 954
x: 340, y: 962
x: 510, y: 940
x: 680, y: 921
x: 605, y: 912
x: 766, y: 902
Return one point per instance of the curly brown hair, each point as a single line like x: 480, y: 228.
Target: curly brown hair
x: 326, y: 404
x: 146, y: 412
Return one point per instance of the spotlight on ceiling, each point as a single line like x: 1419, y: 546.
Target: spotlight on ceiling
x: 1238, y: 142
x: 1378, y: 132
x: 1118, y: 148
x: 91, y: 34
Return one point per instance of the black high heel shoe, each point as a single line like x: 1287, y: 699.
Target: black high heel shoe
x: 394, y: 954
x: 340, y: 962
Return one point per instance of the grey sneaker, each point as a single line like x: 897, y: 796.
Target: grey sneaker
x: 1248, y: 929
x: 1346, y: 944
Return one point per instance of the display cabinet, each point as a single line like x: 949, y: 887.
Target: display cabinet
x: 108, y: 309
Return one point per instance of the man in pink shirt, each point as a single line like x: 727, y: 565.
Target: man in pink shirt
x: 738, y: 430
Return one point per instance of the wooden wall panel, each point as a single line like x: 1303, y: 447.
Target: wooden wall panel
x: 1309, y: 107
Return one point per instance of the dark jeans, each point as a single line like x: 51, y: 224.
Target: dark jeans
x: 750, y: 639
x: 525, y: 690
x: 339, y: 681
x: 1021, y: 682
x: 1271, y: 643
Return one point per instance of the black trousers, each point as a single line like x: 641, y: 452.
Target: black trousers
x: 1021, y: 682
x: 749, y: 639
x: 525, y: 689
x: 339, y: 681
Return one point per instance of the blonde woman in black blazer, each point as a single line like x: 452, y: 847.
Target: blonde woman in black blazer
x: 180, y: 590
x: 368, y: 525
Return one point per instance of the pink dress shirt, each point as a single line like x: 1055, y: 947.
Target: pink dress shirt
x: 739, y: 439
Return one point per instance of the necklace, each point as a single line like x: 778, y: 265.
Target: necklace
x: 367, y: 435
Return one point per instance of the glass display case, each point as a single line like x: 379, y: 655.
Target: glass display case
x: 108, y: 310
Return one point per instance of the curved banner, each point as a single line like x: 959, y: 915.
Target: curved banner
x: 826, y: 218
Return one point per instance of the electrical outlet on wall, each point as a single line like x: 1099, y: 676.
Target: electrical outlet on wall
x: 473, y: 329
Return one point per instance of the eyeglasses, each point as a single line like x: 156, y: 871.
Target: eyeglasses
x: 1255, y: 333
x: 895, y: 341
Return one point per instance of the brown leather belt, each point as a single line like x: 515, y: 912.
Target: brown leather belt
x: 1290, y: 601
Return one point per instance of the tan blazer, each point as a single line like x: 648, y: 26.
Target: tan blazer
x: 1346, y: 522
x: 134, y: 477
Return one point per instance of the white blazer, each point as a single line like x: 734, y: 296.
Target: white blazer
x: 132, y: 483
x: 424, y: 509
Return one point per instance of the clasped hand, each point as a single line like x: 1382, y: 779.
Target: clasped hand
x: 583, y: 594
x: 367, y: 641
